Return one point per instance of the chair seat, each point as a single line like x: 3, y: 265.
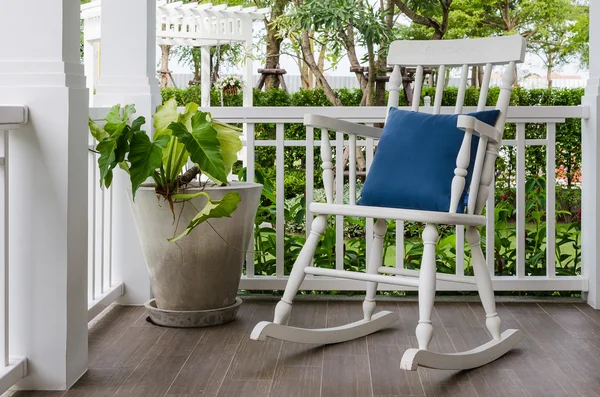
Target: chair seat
x: 398, y: 214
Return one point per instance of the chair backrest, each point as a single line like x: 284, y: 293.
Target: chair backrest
x: 441, y: 54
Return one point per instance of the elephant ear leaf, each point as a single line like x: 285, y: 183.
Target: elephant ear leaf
x: 165, y: 115
x: 106, y: 161
x: 213, y: 209
x: 231, y: 143
x: 145, y: 157
x: 203, y: 145
x: 97, y: 131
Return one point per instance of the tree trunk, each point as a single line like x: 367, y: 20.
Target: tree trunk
x: 348, y: 41
x: 196, y: 61
x: 274, y: 41
x: 549, y: 75
x: 371, y: 76
x: 473, y: 76
x: 165, y: 78
x: 309, y: 58
x: 321, y: 63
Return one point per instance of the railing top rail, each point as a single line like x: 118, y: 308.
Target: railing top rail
x: 295, y: 114
x: 11, y: 116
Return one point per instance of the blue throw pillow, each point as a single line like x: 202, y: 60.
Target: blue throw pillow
x: 415, y: 161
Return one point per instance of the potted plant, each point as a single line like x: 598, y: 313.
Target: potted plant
x: 193, y: 234
x: 229, y: 85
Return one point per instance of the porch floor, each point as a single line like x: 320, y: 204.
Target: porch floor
x: 560, y: 355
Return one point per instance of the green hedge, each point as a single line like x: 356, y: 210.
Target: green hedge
x: 568, y: 134
x: 278, y: 97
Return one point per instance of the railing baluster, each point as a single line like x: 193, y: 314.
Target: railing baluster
x: 550, y: 199
x: 339, y: 199
x: 110, y: 236
x: 92, y: 186
x: 520, y: 200
x: 4, y: 272
x: 400, y: 244
x: 280, y: 200
x: 352, y: 169
x: 369, y: 221
x: 249, y: 129
x: 310, y: 174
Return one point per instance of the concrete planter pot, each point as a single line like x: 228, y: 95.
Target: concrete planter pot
x: 200, y: 273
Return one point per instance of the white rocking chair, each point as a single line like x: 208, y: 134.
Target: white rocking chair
x: 487, y: 51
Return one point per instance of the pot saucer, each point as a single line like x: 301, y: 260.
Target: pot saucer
x: 189, y: 319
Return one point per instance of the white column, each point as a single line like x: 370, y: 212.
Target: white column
x: 205, y: 76
x: 89, y: 65
x: 128, y: 75
x: 590, y: 200
x: 40, y: 68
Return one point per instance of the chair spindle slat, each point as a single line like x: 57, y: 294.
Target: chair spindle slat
x: 416, y: 100
x: 439, y: 89
x: 394, y: 88
x: 485, y: 84
x: 462, y: 86
x: 487, y: 173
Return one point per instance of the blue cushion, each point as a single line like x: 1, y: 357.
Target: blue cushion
x: 415, y: 161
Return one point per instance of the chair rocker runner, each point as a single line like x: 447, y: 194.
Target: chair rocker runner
x: 474, y: 168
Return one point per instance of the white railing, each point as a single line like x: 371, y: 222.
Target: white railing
x: 281, y: 116
x: 12, y: 369
x: 250, y: 117
x: 102, y: 286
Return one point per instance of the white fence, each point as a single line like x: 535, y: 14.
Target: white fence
x: 102, y: 288
x: 549, y: 116
x: 12, y: 369
x: 100, y: 264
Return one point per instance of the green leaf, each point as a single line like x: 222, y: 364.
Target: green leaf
x: 165, y: 115
x: 145, y: 157
x: 106, y: 161
x: 128, y: 112
x: 203, y: 145
x: 114, y: 115
x: 231, y: 143
x: 186, y: 117
x: 138, y: 123
x: 97, y: 132
x: 213, y: 209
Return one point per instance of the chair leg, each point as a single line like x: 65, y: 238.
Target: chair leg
x: 478, y: 356
x: 484, y: 283
x: 427, y: 287
x: 284, y: 306
x: 373, y: 263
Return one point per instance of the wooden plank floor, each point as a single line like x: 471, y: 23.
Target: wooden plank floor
x: 560, y: 355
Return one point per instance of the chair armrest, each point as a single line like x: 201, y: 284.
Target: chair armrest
x: 479, y: 128
x: 318, y: 121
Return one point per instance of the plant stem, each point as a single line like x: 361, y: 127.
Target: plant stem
x: 172, y: 143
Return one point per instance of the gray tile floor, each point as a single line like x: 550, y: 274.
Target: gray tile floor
x: 560, y: 355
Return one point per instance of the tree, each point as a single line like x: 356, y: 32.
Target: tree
x: 427, y: 13
x: 341, y: 24
x: 274, y: 39
x: 553, y: 45
x: 546, y: 24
